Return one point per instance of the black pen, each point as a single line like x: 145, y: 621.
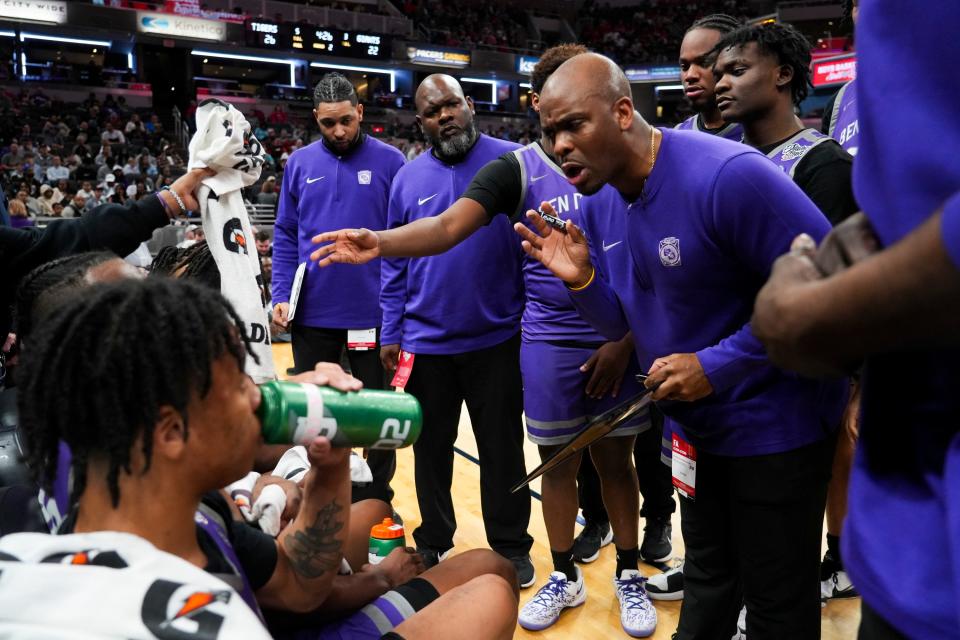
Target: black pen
x: 553, y: 221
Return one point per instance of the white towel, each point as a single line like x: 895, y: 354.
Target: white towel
x: 224, y: 142
x: 269, y: 507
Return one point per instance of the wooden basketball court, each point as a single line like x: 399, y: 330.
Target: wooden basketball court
x: 599, y: 617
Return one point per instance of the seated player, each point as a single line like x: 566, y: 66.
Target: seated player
x: 151, y: 387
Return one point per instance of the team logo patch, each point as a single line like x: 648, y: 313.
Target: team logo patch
x: 233, y: 238
x: 792, y: 151
x: 670, y: 252
x: 364, y: 177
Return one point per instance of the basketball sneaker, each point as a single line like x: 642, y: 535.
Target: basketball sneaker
x: 637, y: 614
x: 526, y: 574
x: 558, y: 594
x: 587, y: 545
x: 837, y: 585
x: 657, y: 534
x: 667, y: 585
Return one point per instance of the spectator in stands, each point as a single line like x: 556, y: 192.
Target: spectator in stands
x: 264, y: 246
x: 132, y: 193
x: 109, y: 180
x: 56, y: 171
x: 118, y: 194
x: 18, y: 215
x: 47, y: 200
x: 268, y: 192
x: 76, y: 207
x: 13, y: 157
x: 154, y: 126
x: 29, y: 203
x: 112, y: 135
x: 85, y: 191
x: 43, y: 158
x: 131, y: 168
x: 105, y: 157
x: 278, y: 116
x: 134, y: 127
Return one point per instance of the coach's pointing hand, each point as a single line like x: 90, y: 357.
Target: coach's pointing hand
x: 565, y: 254
x: 347, y: 246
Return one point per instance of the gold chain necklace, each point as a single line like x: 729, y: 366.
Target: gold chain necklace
x: 653, y: 157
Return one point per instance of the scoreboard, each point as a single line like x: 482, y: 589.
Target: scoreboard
x: 301, y: 36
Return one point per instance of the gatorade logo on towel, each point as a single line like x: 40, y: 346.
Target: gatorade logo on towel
x: 224, y: 143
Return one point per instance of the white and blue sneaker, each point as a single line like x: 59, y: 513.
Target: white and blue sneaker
x: 558, y: 594
x: 637, y: 614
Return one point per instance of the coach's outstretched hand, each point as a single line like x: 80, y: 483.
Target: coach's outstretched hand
x: 347, y: 246
x: 565, y: 254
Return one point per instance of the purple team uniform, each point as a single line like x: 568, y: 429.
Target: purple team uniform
x: 730, y: 131
x: 790, y: 152
x: 901, y: 540
x: 844, y: 119
x: 556, y: 340
x: 322, y: 191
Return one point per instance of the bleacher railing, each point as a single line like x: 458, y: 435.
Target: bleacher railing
x: 261, y: 215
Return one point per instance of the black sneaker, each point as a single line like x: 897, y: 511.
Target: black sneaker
x: 432, y: 557
x: 656, y: 545
x: 667, y: 585
x: 526, y: 575
x: 587, y: 545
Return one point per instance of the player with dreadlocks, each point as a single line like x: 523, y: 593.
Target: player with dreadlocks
x: 696, y: 74
x: 763, y: 73
x: 146, y: 407
x: 193, y: 263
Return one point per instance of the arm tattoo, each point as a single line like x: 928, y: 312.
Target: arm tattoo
x: 314, y: 550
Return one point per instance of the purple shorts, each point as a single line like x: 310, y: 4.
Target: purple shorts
x: 377, y: 618
x: 554, y: 403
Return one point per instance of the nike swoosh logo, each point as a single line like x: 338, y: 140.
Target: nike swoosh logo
x: 607, y: 247
x: 535, y: 178
x: 312, y: 180
x: 420, y: 201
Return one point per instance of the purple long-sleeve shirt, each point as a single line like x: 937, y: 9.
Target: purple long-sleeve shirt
x: 322, y: 191
x: 901, y: 540
x: 681, y: 267
x: 468, y: 298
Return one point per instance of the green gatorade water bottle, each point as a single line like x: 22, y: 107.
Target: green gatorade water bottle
x: 384, y: 538
x: 296, y: 413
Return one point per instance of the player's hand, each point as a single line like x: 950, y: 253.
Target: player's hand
x: 292, y: 491
x: 280, y: 312
x: 323, y: 455
x: 347, y: 246
x: 390, y: 356
x: 565, y: 254
x: 850, y: 242
x: 329, y: 374
x: 186, y: 186
x: 608, y: 364
x: 680, y: 376
x: 400, y: 566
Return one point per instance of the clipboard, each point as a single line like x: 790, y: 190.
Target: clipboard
x: 597, y: 428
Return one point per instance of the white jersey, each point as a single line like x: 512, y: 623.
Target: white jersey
x: 112, y: 585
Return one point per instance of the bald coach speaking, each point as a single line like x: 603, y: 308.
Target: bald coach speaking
x: 676, y: 252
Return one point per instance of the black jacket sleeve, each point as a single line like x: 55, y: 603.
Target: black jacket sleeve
x: 498, y: 186
x: 110, y: 227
